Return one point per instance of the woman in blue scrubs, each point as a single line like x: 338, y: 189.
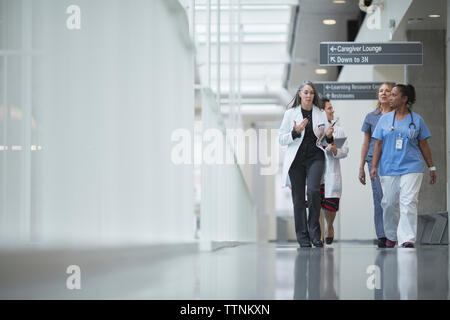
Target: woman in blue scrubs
x: 400, y: 147
x: 370, y: 122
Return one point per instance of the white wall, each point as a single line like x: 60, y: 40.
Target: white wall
x: 101, y: 102
x: 355, y: 219
x: 227, y: 209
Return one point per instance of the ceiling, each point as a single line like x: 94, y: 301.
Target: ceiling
x: 417, y: 16
x: 279, y: 46
x: 264, y: 36
x: 310, y: 31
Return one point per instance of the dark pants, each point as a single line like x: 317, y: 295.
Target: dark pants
x: 309, y: 174
x: 307, y: 275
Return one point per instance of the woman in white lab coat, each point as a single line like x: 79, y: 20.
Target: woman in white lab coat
x: 304, y: 161
x: 331, y: 188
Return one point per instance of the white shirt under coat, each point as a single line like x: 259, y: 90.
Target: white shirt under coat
x: 332, y: 176
x: 320, y: 123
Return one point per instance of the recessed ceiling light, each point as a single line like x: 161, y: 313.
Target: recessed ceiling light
x: 329, y: 21
x: 414, y: 20
x: 321, y: 71
x: 434, y: 15
x: 339, y: 1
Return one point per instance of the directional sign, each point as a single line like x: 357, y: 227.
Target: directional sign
x: 348, y: 90
x: 352, y: 53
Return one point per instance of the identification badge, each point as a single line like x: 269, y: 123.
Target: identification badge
x: 399, y: 143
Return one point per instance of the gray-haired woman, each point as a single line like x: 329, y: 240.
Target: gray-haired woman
x: 303, y: 124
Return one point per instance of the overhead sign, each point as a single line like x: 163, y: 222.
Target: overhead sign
x: 348, y: 90
x: 352, y: 53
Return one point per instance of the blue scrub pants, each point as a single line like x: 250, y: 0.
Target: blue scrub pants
x: 377, y: 196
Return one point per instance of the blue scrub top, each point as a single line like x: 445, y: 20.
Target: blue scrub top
x: 409, y: 158
x: 369, y: 125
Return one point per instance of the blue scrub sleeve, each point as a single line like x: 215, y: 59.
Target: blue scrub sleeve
x: 366, y: 125
x: 424, y: 133
x: 378, y: 132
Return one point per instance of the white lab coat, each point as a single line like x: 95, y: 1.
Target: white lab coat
x: 332, y: 176
x: 319, y: 119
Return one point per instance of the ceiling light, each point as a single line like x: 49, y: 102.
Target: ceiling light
x: 321, y: 71
x: 329, y: 21
x: 414, y: 20
x: 434, y: 15
x: 339, y: 1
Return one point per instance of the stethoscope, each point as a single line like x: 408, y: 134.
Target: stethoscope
x: 410, y: 124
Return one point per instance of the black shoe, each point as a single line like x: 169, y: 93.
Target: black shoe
x: 408, y: 245
x: 318, y: 244
x: 329, y: 240
x: 305, y: 245
x: 382, y: 243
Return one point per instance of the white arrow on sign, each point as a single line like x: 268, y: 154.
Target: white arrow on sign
x: 332, y: 49
x: 332, y: 59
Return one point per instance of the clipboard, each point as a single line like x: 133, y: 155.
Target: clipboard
x: 339, y: 142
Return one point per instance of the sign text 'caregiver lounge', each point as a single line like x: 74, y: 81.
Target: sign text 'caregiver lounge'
x: 351, y: 53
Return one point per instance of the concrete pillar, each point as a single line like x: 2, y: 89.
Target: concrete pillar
x: 448, y: 116
x: 429, y: 82
x: 448, y: 109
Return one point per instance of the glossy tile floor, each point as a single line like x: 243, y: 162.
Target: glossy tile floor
x: 252, y: 271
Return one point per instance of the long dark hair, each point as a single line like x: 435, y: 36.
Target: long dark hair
x: 408, y: 91
x: 296, y: 101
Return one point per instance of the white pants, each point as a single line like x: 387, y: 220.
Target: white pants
x: 400, y: 195
x: 407, y: 274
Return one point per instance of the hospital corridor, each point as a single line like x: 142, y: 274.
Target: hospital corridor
x: 224, y: 150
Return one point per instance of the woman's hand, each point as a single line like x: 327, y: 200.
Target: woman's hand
x: 329, y: 132
x: 426, y: 153
x: 374, y: 173
x: 362, y: 176
x: 433, y: 177
x: 301, y: 126
x: 332, y: 148
x: 375, y: 157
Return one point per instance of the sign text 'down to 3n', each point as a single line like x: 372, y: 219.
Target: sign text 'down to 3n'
x: 352, y: 53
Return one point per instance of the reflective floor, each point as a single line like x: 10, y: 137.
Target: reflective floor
x: 252, y: 271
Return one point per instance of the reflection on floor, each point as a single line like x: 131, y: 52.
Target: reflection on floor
x: 252, y: 271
